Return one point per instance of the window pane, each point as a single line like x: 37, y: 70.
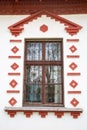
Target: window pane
x: 43, y: 74
x: 53, y: 51
x: 34, y: 51
x: 34, y: 83
x: 53, y: 84
x: 54, y: 93
x: 53, y: 74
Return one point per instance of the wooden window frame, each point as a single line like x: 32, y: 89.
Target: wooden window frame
x: 44, y: 63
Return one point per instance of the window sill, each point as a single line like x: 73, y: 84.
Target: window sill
x: 43, y: 111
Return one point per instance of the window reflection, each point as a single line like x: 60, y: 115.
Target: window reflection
x: 34, y: 51
x: 34, y: 83
x: 43, y: 73
x: 53, y: 51
x: 53, y: 84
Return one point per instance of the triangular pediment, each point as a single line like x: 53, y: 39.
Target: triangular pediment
x: 70, y: 27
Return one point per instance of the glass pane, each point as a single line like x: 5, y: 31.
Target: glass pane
x: 34, y: 51
x: 53, y: 51
x: 54, y: 93
x: 53, y: 84
x: 34, y: 83
x: 53, y: 74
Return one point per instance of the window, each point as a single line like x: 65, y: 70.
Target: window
x: 43, y: 72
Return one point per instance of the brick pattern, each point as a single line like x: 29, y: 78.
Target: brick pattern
x: 73, y: 84
x: 59, y: 113
x: 70, y: 27
x: 72, y: 66
x: 13, y: 83
x: 56, y: 6
x: 73, y: 73
x: 12, y: 101
x: 44, y: 28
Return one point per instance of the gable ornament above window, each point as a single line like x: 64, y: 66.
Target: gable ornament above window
x: 70, y: 27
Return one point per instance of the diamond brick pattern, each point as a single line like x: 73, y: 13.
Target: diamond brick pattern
x: 73, y: 48
x: 73, y: 66
x: 14, y: 66
x: 73, y: 84
x: 13, y: 83
x: 74, y: 102
x: 14, y: 49
x: 12, y: 101
x: 44, y: 28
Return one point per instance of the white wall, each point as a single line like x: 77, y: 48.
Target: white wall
x: 31, y: 30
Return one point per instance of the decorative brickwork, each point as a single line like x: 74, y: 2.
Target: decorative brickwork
x: 12, y: 113
x: 14, y: 74
x: 73, y: 66
x: 70, y: 27
x: 43, y: 113
x: 13, y: 91
x: 23, y: 7
x: 59, y: 114
x: 73, y: 49
x: 44, y: 28
x: 73, y: 40
x: 73, y: 74
x: 74, y: 92
x: 15, y: 49
x: 73, y: 84
x: 12, y: 101
x: 28, y: 113
x: 73, y: 56
x: 14, y: 66
x: 13, y: 83
x: 75, y: 114
x: 14, y: 57
x: 74, y: 102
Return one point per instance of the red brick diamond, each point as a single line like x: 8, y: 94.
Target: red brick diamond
x: 74, y: 102
x: 44, y: 28
x: 73, y: 83
x: 12, y: 101
x: 73, y: 66
x: 73, y: 49
x: 14, y: 66
x: 14, y: 49
x: 13, y: 83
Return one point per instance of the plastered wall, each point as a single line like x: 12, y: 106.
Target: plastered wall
x: 76, y: 65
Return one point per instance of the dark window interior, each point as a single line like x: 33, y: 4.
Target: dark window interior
x: 43, y: 72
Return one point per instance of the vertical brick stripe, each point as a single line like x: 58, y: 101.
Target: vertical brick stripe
x: 73, y: 65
